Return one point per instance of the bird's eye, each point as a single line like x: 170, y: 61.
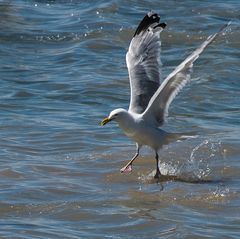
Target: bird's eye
x: 116, y: 114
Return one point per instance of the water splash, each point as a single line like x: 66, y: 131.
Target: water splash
x: 220, y: 193
x: 169, y: 169
x: 194, y: 160
x: 202, y: 156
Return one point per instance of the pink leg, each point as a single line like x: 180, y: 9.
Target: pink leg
x: 128, y: 167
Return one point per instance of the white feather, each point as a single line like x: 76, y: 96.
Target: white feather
x: 157, y: 109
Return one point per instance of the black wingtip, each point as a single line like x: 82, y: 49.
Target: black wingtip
x: 149, y: 19
x: 163, y: 25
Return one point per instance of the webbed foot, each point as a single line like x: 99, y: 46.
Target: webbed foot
x: 126, y: 169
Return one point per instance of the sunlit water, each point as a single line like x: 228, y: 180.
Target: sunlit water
x: 62, y: 70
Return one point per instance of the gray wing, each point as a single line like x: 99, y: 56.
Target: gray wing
x: 157, y: 109
x: 143, y: 62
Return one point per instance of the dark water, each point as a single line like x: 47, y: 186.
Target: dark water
x: 62, y: 70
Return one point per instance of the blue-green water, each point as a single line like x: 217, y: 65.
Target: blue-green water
x: 62, y: 70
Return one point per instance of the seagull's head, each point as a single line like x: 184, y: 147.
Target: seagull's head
x: 118, y: 115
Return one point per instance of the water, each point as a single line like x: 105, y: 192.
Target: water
x: 62, y: 70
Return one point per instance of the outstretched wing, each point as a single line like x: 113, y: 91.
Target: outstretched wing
x: 143, y: 62
x: 157, y: 109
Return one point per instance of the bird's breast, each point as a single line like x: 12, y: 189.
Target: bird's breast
x: 152, y: 137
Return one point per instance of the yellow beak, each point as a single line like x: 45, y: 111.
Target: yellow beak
x: 105, y: 121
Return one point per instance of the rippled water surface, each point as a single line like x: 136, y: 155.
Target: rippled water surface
x: 62, y: 70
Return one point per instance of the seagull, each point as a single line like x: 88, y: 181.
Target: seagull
x: 151, y: 98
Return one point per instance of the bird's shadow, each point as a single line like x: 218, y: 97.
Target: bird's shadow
x: 178, y: 178
x: 174, y: 178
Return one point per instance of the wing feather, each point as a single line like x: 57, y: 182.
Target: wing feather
x: 157, y: 109
x: 143, y: 62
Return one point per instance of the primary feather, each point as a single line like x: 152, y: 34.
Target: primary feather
x: 157, y: 109
x: 143, y: 62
